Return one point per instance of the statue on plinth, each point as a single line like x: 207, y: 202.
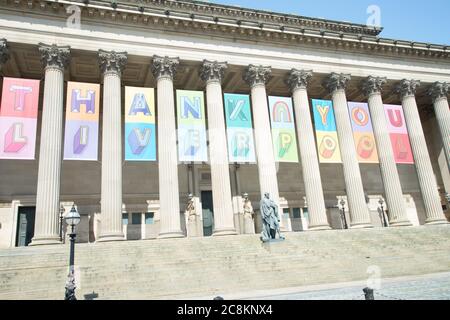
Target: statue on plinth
x: 190, y: 209
x: 193, y: 223
x: 270, y: 219
x: 249, y: 224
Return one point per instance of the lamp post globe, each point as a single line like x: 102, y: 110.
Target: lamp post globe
x: 72, y: 219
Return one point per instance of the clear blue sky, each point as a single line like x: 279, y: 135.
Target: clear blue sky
x: 415, y: 20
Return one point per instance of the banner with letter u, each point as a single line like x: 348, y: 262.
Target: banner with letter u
x: 238, y: 117
x: 18, y: 118
x: 326, y: 134
x: 82, y: 115
x: 283, y: 129
x: 365, y: 145
x: 192, y: 145
x: 399, y: 134
x: 140, y: 124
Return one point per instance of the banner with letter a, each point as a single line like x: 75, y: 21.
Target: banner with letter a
x: 238, y: 117
x: 82, y: 114
x: 191, y: 126
x: 283, y: 129
x: 18, y: 118
x: 140, y: 124
x: 399, y: 134
x: 365, y: 145
x: 326, y: 134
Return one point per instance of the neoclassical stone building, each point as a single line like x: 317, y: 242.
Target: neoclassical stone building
x: 215, y: 49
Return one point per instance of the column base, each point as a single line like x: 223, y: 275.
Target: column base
x: 436, y: 221
x: 224, y: 232
x: 111, y: 237
x: 171, y: 235
x: 319, y: 228
x: 400, y: 224
x: 361, y: 225
x: 45, y: 240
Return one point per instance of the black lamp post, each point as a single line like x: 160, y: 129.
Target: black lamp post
x: 61, y: 221
x: 72, y: 219
x: 381, y: 202
x: 344, y: 219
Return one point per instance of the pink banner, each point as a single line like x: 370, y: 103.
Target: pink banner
x: 18, y: 118
x: 399, y: 134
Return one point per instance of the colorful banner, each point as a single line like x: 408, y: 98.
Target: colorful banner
x: 18, y: 118
x: 283, y: 129
x: 365, y: 144
x: 140, y: 125
x: 327, y: 139
x: 191, y: 126
x: 238, y: 117
x: 399, y: 134
x: 82, y: 114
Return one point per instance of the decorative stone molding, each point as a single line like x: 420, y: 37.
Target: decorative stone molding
x: 407, y: 88
x: 373, y: 85
x: 438, y: 90
x: 213, y: 70
x: 164, y: 67
x: 111, y: 61
x: 336, y: 81
x: 4, y: 52
x: 257, y: 75
x: 299, y: 79
x: 53, y: 56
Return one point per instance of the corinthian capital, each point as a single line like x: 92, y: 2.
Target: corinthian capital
x: 407, y: 88
x: 373, y: 85
x: 255, y: 75
x: 54, y: 56
x: 438, y: 90
x: 4, y: 52
x: 164, y: 67
x: 213, y: 70
x: 111, y: 61
x: 299, y: 79
x: 336, y: 81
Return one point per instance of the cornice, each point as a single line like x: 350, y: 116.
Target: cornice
x: 218, y: 20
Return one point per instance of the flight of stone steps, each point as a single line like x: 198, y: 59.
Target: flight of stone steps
x: 201, y: 267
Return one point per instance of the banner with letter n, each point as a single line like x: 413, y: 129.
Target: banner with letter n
x: 283, y: 129
x: 140, y: 124
x: 18, y: 118
x: 82, y: 115
x: 365, y: 145
x: 326, y: 134
x: 238, y: 117
x: 399, y: 134
x: 192, y: 145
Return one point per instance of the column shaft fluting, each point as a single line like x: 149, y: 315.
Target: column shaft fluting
x: 46, y: 229
x: 439, y: 92
x: 425, y: 174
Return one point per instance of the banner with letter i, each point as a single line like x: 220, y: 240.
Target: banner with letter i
x: 82, y: 115
x: 283, y: 129
x: 326, y: 134
x: 192, y: 145
x: 140, y: 124
x: 399, y: 134
x: 365, y: 145
x: 18, y: 118
x: 238, y: 117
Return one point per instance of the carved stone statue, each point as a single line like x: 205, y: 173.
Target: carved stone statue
x: 270, y: 219
x: 190, y: 209
x: 249, y: 224
x: 193, y: 221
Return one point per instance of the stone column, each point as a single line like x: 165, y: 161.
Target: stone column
x: 298, y: 81
x: 4, y: 53
x: 427, y: 180
x: 359, y: 213
x: 111, y: 65
x: 164, y: 69
x: 372, y: 87
x: 46, y: 230
x: 438, y: 92
x: 256, y: 77
x: 212, y: 73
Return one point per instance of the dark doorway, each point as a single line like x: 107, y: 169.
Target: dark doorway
x: 208, y: 213
x: 25, y: 226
